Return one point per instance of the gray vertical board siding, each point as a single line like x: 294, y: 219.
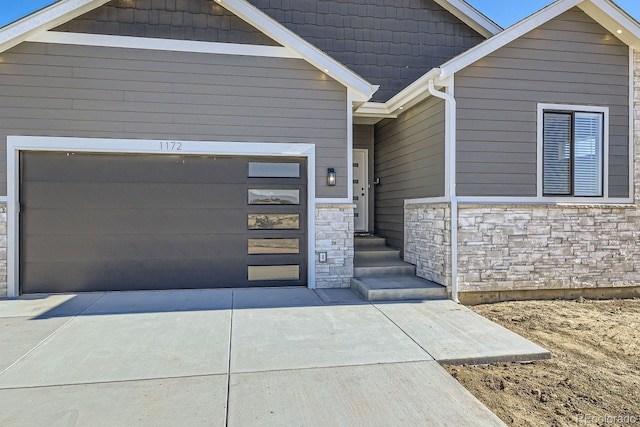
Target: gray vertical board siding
x: 200, y: 20
x: 363, y: 138
x: 569, y: 60
x: 96, y: 92
x: 390, y: 43
x: 410, y: 161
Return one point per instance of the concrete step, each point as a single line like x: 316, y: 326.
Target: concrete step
x: 367, y: 242
x: 383, y: 268
x: 395, y: 288
x: 371, y: 255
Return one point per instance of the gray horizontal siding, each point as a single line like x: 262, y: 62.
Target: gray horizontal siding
x: 409, y: 160
x: 363, y: 138
x: 200, y: 20
x: 569, y: 60
x: 58, y: 90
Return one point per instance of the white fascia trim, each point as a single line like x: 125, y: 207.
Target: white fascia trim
x: 428, y: 201
x: 603, y: 11
x: 558, y: 201
x: 15, y: 144
x: 471, y: 16
x: 362, y: 89
x: 540, y: 146
x: 611, y: 17
x: 45, y: 19
x: 376, y: 110
x: 126, y: 42
x: 507, y: 36
x: 414, y: 93
x: 402, y: 101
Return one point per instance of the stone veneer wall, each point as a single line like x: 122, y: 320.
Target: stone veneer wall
x: 3, y: 251
x: 535, y: 247
x: 334, y: 235
x: 427, y: 236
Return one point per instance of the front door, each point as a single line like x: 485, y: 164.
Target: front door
x: 361, y: 189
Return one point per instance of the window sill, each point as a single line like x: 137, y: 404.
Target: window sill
x: 556, y: 201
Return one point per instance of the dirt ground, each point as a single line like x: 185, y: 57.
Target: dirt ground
x: 593, y: 377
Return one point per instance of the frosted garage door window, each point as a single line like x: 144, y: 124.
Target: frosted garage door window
x: 274, y: 221
x: 273, y: 272
x: 274, y: 170
x: 274, y: 197
x: 273, y: 246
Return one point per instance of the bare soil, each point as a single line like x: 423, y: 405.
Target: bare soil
x: 593, y: 377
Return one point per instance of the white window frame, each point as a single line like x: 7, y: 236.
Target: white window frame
x: 605, y: 151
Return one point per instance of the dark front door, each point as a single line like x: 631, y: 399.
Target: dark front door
x: 98, y: 222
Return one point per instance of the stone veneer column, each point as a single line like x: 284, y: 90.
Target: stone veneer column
x: 334, y: 235
x: 427, y: 241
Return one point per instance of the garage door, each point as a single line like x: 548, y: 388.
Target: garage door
x: 97, y: 222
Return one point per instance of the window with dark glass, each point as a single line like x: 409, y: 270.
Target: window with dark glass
x: 573, y: 145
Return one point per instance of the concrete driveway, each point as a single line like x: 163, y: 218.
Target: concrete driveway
x: 254, y: 357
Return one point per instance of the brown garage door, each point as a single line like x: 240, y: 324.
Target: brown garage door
x: 96, y: 222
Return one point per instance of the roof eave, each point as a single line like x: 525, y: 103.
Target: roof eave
x: 361, y: 90
x: 507, y: 36
x: 604, y: 12
x: 614, y: 19
x: 66, y: 10
x: 45, y: 19
x: 403, y: 100
x: 471, y: 16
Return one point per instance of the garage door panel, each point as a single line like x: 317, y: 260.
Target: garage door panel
x: 127, y: 247
x: 134, y: 168
x: 138, y: 275
x: 100, y: 222
x: 144, y: 195
x: 121, y: 222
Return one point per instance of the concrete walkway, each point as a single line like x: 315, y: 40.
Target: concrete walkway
x: 255, y: 357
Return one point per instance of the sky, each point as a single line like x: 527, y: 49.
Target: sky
x: 503, y: 12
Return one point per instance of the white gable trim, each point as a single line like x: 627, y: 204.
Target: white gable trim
x: 66, y: 10
x: 611, y: 17
x: 45, y: 19
x: 125, y: 42
x: 604, y: 12
x: 361, y: 89
x: 507, y: 36
x: 471, y: 16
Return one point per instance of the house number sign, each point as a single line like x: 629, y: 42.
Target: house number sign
x: 170, y: 146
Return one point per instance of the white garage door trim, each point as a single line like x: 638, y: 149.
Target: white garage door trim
x: 15, y: 144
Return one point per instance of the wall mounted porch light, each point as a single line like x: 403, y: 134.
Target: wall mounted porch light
x: 331, y: 177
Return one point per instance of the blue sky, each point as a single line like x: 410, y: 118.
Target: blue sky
x: 508, y: 12
x: 503, y: 12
